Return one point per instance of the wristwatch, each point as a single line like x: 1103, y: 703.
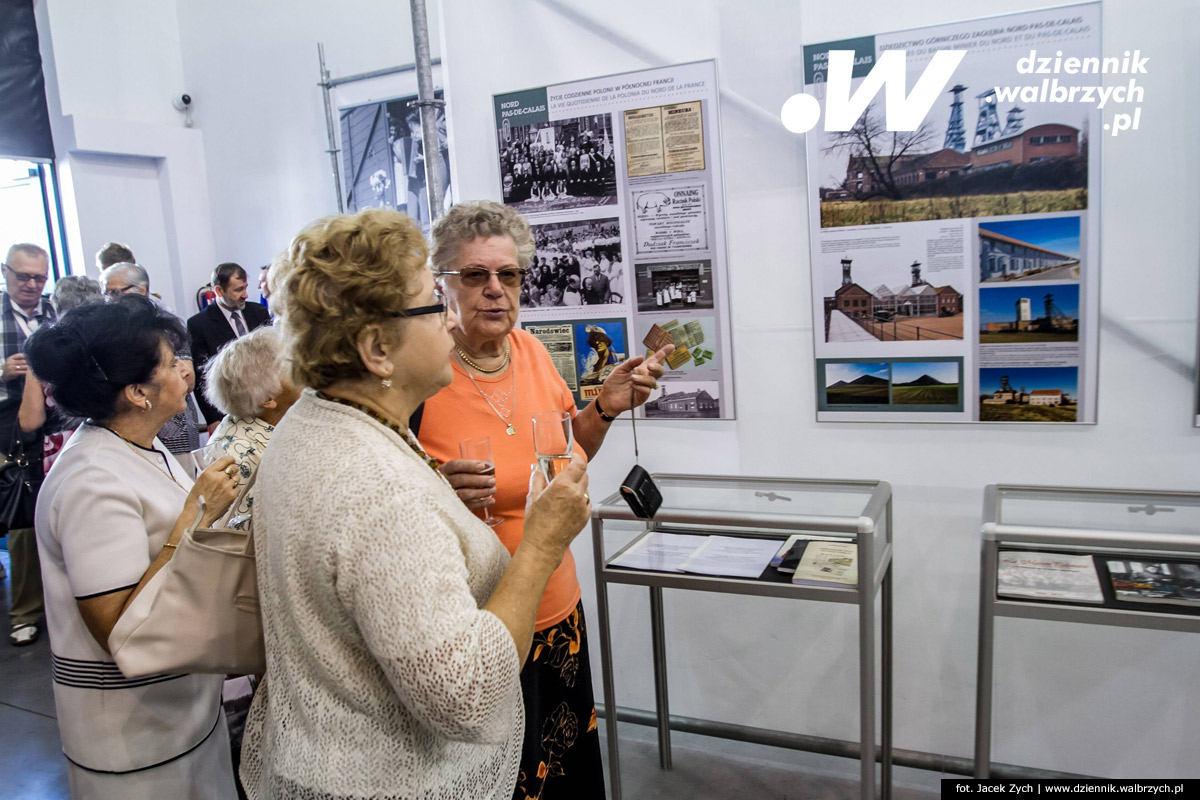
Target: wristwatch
x: 600, y: 411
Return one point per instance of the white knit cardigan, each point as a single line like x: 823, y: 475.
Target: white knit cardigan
x: 384, y: 676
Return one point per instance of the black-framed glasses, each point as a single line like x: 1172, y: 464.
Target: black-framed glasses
x: 437, y: 308
x: 23, y: 277
x: 474, y: 277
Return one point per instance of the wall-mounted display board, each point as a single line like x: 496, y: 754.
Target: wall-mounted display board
x: 620, y: 178
x: 383, y: 158
x: 955, y: 268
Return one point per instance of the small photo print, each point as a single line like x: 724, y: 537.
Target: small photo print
x: 857, y: 384
x: 562, y: 164
x: 1029, y: 313
x: 1028, y: 394
x: 677, y: 285
x: 926, y: 383
x: 684, y: 400
x: 599, y: 347
x: 1038, y: 249
x: 576, y: 263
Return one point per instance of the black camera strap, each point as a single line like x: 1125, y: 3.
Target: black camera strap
x: 632, y: 418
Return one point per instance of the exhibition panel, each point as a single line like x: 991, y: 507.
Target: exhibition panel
x: 1121, y: 557
x: 621, y: 178
x: 956, y: 270
x: 823, y: 540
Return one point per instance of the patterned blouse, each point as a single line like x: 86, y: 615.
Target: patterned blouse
x: 245, y: 440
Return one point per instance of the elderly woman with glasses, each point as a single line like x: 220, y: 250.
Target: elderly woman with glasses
x: 396, y: 624
x: 502, y: 377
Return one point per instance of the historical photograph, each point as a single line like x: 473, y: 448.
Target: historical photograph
x: 926, y: 383
x: 1045, y: 249
x: 1023, y: 314
x: 1028, y: 394
x: 684, y: 400
x: 983, y: 149
x: 566, y: 163
x: 577, y: 263
x: 856, y: 383
x: 676, y: 285
x: 383, y: 158
x: 919, y: 309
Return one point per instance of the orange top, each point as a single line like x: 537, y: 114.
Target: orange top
x: 459, y: 412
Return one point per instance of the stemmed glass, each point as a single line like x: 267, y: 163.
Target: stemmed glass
x: 552, y: 441
x: 481, y: 450
x: 200, y: 461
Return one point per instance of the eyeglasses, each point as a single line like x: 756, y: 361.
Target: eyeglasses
x: 23, y: 277
x: 437, y: 308
x: 474, y: 277
x: 113, y: 294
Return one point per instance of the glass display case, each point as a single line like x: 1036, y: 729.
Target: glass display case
x: 1098, y: 556
x: 769, y: 510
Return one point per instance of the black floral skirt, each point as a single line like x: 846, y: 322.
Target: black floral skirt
x: 561, y: 753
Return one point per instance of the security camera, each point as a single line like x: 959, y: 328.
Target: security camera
x: 182, y: 102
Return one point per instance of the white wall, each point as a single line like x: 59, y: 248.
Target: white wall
x: 1065, y: 696
x: 253, y: 70
x: 254, y: 170
x: 129, y: 170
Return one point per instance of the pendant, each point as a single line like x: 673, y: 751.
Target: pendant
x: 511, y: 431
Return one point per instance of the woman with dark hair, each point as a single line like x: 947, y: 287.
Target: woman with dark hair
x: 110, y: 515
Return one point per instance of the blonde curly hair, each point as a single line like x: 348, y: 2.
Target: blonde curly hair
x: 467, y: 222
x: 341, y: 274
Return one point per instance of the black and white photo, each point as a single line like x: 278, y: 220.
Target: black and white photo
x: 566, y: 163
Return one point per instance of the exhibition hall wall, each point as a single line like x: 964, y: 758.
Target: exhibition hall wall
x: 253, y: 169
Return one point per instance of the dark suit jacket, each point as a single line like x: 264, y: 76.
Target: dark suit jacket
x: 209, y: 332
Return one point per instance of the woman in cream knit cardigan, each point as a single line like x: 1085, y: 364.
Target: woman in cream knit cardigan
x: 396, y: 623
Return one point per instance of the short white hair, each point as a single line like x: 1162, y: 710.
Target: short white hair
x: 245, y: 373
x: 136, y: 274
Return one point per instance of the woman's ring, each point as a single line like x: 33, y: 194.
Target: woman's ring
x: 587, y: 498
x: 230, y: 470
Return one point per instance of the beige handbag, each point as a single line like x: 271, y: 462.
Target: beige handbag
x: 199, y: 613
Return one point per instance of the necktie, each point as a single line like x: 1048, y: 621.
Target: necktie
x: 237, y: 324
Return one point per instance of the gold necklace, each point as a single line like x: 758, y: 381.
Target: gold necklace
x: 512, y: 394
x: 137, y: 448
x: 467, y: 360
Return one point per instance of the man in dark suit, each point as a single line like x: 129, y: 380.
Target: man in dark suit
x: 229, y: 318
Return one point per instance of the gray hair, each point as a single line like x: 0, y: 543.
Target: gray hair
x: 136, y: 274
x: 72, y: 291
x: 245, y: 373
x: 29, y: 249
x: 467, y: 222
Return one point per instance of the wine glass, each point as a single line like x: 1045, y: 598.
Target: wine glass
x: 200, y: 460
x: 481, y: 450
x: 552, y: 442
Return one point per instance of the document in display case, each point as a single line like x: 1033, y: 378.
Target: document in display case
x: 1123, y: 557
x: 731, y: 535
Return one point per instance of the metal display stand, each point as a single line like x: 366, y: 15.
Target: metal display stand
x: 1108, y: 522
x: 762, y: 508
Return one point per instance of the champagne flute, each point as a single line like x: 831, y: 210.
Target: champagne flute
x: 552, y: 442
x: 481, y: 450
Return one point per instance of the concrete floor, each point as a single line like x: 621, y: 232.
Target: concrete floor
x: 32, y: 766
